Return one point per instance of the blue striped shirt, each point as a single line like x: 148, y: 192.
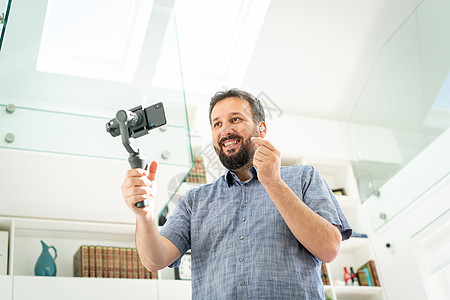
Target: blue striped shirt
x: 241, y: 246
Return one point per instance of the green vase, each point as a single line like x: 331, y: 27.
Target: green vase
x: 45, y: 265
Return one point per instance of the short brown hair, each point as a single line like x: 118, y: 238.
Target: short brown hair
x: 255, y: 104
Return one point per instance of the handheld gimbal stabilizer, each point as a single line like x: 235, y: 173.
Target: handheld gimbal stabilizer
x: 135, y: 123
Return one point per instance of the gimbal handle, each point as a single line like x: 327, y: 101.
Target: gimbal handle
x: 136, y: 158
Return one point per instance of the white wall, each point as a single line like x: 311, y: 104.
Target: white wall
x: 425, y: 182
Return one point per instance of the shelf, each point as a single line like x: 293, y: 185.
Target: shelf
x: 36, y: 287
x: 354, y: 244
x: 357, y: 292
x: 66, y: 237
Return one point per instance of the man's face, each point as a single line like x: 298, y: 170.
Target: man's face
x: 232, y: 128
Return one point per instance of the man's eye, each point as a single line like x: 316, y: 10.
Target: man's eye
x: 236, y: 119
x: 216, y: 124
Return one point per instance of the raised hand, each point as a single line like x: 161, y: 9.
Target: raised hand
x: 267, y: 161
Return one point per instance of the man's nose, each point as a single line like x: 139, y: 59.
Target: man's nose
x: 227, y: 129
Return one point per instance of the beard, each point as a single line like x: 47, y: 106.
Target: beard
x: 234, y: 161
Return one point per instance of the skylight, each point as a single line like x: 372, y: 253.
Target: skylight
x: 100, y: 39
x: 216, y: 40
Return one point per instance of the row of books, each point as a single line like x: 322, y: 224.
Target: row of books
x: 198, y: 173
x: 109, y: 262
x: 367, y: 275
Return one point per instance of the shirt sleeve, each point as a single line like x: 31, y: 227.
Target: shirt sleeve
x: 177, y: 228
x: 319, y: 197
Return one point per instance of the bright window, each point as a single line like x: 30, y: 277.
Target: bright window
x: 100, y: 39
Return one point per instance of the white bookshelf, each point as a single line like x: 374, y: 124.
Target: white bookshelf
x: 355, y: 251
x: 67, y: 236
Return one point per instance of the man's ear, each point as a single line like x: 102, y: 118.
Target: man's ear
x: 262, y: 129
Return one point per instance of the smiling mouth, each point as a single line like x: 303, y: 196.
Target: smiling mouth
x: 231, y: 142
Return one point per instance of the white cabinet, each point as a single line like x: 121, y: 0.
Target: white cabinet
x: 5, y: 287
x: 167, y: 290
x: 67, y: 236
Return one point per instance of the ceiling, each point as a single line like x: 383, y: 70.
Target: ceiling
x: 311, y: 58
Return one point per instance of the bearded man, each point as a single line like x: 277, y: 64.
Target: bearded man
x: 260, y: 231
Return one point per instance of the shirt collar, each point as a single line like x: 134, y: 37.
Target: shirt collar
x: 231, y: 178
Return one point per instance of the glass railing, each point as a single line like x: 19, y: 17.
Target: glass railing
x: 405, y: 104
x: 66, y: 114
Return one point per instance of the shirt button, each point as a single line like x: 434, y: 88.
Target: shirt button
x: 241, y: 237
x: 242, y: 283
x: 243, y: 219
x: 245, y: 201
x: 241, y: 259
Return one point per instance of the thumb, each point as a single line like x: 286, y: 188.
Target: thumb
x: 256, y: 140
x: 152, y: 170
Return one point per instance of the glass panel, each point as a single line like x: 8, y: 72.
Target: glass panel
x: 58, y: 113
x: 405, y: 104
x: 4, y: 12
x: 64, y: 133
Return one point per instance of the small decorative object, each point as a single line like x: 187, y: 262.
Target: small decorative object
x: 45, y: 265
x: 354, y: 277
x: 347, y: 277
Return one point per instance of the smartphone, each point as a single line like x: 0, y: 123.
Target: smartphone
x: 156, y: 116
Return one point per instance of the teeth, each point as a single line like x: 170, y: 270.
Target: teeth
x: 230, y: 142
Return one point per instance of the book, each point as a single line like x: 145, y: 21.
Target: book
x: 142, y: 269
x: 135, y: 264
x: 373, y: 269
x: 92, y: 268
x: 98, y: 261
x: 81, y: 262
x: 105, y: 260
x: 4, y: 238
x: 129, y: 263
x: 369, y: 280
x: 123, y: 262
x: 362, y: 278
x: 109, y: 263
x: 373, y: 274
x: 324, y: 275
x: 116, y: 262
